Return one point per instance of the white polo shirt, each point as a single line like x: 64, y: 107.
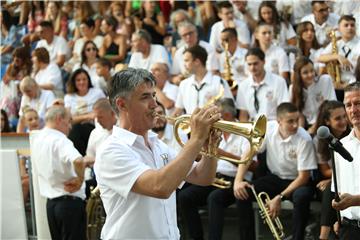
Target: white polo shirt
x: 286, y: 32
x: 321, y: 89
x: 236, y: 145
x: 57, y: 47
x: 51, y: 74
x: 237, y: 62
x: 157, y: 54
x: 119, y: 162
x: 241, y: 29
x: 322, y: 30
x: 171, y: 91
x: 276, y: 60
x: 286, y: 157
x: 350, y: 50
x: 348, y: 173
x: 96, y: 138
x: 314, y: 55
x: 193, y: 94
x: 54, y: 154
x: 178, y: 66
x: 271, y: 92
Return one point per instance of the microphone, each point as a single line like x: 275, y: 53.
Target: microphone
x: 323, y: 132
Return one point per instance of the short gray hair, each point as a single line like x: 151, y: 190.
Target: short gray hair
x: 124, y: 83
x: 55, y: 111
x: 174, y: 14
x: 143, y: 34
x: 187, y: 24
x: 28, y: 82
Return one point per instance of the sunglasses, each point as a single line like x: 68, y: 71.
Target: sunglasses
x: 90, y: 49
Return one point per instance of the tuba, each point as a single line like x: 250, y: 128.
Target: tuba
x: 275, y: 225
x: 227, y: 74
x: 333, y: 68
x: 95, y: 215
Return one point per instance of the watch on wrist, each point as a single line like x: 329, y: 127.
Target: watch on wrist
x: 281, y: 196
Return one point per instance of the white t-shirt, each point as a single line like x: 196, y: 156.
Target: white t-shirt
x: 57, y: 47
x: 119, y: 162
x: 286, y: 157
x: 286, y: 32
x: 350, y: 50
x: 348, y: 173
x: 241, y: 29
x: 96, y: 138
x: 82, y: 104
x: 157, y: 54
x: 193, y: 94
x: 321, y: 89
x: 54, y: 154
x: 237, y: 62
x: 276, y: 60
x: 271, y: 92
x: 51, y: 74
x: 179, y: 65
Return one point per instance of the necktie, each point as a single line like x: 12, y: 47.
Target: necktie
x: 346, y: 50
x: 198, y: 89
x: 256, y: 100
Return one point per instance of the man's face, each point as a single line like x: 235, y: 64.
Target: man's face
x: 288, y: 124
x: 85, y: 30
x: 255, y: 65
x: 106, y: 118
x: 136, y: 43
x: 45, y: 32
x: 189, y: 62
x: 101, y: 70
x: 226, y: 38
x: 159, y: 123
x: 226, y: 14
x: 347, y: 29
x: 159, y: 72
x: 140, y: 106
x: 352, y: 107
x: 188, y: 35
x: 321, y: 12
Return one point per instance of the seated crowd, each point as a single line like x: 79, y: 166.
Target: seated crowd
x: 291, y: 67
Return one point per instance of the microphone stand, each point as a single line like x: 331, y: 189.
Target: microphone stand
x: 337, y: 198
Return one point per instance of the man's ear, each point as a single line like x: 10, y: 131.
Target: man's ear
x: 121, y: 104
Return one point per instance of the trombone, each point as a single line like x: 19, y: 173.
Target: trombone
x: 275, y: 225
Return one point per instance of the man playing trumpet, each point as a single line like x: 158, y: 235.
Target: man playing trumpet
x: 137, y: 173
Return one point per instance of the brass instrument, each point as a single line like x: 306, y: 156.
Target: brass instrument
x: 95, y: 215
x: 221, y: 183
x: 253, y: 131
x: 227, y: 74
x: 275, y: 225
x: 333, y: 68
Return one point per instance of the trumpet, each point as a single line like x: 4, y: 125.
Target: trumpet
x: 254, y: 132
x: 275, y: 225
x: 333, y: 68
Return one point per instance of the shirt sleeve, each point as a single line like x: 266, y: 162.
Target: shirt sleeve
x: 306, y: 154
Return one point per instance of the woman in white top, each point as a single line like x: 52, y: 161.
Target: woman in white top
x: 308, y: 91
x: 89, y: 57
x: 308, y: 46
x: 284, y: 34
x: 80, y: 99
x: 331, y: 114
x: 276, y: 59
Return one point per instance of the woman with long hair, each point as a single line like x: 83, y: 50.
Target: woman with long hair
x: 284, y: 34
x: 307, y: 45
x: 58, y: 19
x: 331, y: 114
x: 79, y: 99
x: 308, y: 91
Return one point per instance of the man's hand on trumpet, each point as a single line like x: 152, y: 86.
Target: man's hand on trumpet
x: 274, y: 206
x: 201, y: 122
